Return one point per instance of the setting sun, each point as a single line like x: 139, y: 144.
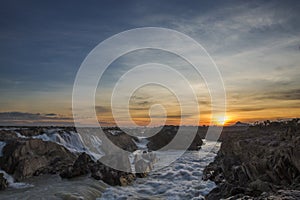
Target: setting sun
x: 221, y: 120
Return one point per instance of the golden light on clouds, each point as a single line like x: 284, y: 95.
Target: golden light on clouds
x: 222, y: 120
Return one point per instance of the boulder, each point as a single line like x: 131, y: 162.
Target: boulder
x: 167, y: 134
x: 85, y: 165
x: 81, y: 166
x: 143, y: 167
x: 31, y: 157
x: 3, y: 182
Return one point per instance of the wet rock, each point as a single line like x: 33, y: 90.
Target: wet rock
x: 3, y: 182
x: 127, y: 179
x: 33, y: 157
x: 24, y: 156
x: 7, y: 135
x: 112, y: 176
x: 117, y: 160
x: 81, y: 166
x: 167, y: 134
x: 30, y: 131
x: 122, y: 140
x: 85, y: 165
x: 143, y: 167
x: 259, y: 160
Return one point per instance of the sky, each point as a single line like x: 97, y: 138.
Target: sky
x: 255, y: 44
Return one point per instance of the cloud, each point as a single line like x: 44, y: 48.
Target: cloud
x: 25, y: 118
x: 51, y: 115
x: 282, y: 95
x: 255, y: 45
x: 103, y: 109
x: 247, y: 109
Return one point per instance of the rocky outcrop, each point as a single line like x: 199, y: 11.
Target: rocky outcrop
x: 122, y: 140
x: 39, y: 130
x: 25, y: 158
x: 3, y: 182
x: 85, y: 165
x: 144, y: 163
x: 33, y: 151
x: 258, y: 161
x: 6, y: 135
x: 167, y: 134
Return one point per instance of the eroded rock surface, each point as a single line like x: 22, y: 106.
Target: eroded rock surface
x: 85, y: 165
x: 167, y: 134
x: 3, y: 182
x: 258, y: 162
x: 25, y: 158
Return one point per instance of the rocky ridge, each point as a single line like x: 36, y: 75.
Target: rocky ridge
x: 260, y: 162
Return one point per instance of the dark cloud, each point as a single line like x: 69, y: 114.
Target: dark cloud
x: 13, y: 116
x: 248, y: 109
x: 281, y: 95
x: 51, y: 115
x: 204, y: 102
x: 138, y: 108
x: 143, y: 103
x: 103, y: 109
x: 179, y: 116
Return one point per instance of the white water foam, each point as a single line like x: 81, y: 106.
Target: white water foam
x: 114, y: 132
x: 180, y: 180
x: 9, y: 178
x: 2, y: 145
x: 20, y: 135
x: 12, y: 183
x: 69, y: 139
x: 141, y: 143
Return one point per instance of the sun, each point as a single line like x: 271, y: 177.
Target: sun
x: 221, y: 120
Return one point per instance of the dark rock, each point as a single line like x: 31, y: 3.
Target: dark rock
x: 81, y: 166
x: 122, y: 140
x: 167, y: 134
x: 3, y: 182
x: 7, y: 135
x: 256, y: 161
x: 33, y: 157
x: 30, y: 131
x: 85, y: 165
x: 117, y: 161
x: 24, y: 157
x: 111, y: 176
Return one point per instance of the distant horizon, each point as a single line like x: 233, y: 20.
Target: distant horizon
x: 49, y: 123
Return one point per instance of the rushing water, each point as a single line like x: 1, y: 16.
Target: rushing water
x: 180, y: 180
x: 52, y: 187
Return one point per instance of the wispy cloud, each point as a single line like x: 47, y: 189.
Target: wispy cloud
x: 21, y: 118
x: 255, y: 45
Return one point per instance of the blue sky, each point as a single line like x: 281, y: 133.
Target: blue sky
x: 255, y: 44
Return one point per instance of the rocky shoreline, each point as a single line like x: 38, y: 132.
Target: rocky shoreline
x: 259, y: 162
x: 34, y: 151
x: 255, y: 162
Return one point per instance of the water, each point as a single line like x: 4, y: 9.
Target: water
x: 11, y: 182
x: 180, y: 180
x: 52, y: 187
x: 2, y: 145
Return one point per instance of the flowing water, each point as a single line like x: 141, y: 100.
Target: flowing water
x: 180, y: 180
